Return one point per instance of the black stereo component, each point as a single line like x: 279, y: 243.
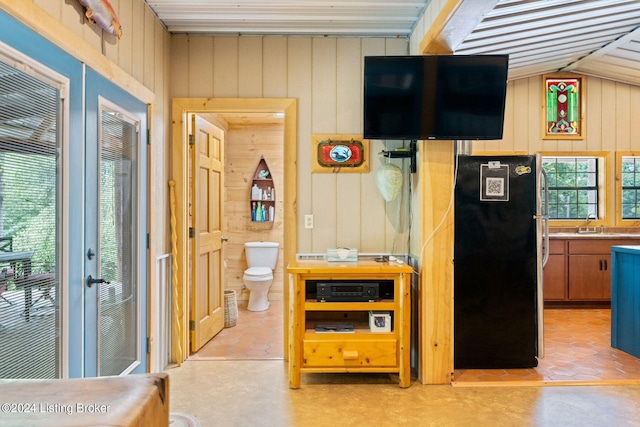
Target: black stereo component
x: 347, y: 291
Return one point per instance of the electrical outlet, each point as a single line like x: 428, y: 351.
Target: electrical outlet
x: 308, y: 221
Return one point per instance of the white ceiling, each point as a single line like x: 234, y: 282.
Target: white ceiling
x: 387, y: 18
x: 593, y: 37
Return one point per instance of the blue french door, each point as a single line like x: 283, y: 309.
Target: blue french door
x: 115, y: 222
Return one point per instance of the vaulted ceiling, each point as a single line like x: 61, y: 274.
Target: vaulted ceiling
x: 593, y: 37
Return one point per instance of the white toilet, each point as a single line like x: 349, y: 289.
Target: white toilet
x: 261, y: 259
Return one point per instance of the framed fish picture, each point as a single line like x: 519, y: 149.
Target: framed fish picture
x: 340, y: 154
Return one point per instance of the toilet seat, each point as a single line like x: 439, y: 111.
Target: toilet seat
x: 258, y: 273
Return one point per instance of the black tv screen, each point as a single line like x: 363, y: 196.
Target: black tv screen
x: 435, y: 97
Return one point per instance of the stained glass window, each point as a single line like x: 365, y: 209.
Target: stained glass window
x: 563, y: 110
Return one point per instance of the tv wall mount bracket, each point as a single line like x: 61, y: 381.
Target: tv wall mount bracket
x: 403, y: 154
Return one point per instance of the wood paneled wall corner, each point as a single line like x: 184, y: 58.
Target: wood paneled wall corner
x: 245, y: 146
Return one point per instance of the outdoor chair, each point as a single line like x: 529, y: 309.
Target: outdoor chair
x: 3, y: 285
x: 43, y: 282
x: 6, y: 245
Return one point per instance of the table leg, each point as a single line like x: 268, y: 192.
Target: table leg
x: 27, y: 290
x: 27, y: 301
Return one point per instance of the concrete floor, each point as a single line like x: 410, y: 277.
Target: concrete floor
x: 256, y: 393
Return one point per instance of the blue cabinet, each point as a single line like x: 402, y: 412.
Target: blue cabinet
x: 625, y: 299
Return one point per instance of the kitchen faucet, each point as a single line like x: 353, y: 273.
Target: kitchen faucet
x: 586, y: 228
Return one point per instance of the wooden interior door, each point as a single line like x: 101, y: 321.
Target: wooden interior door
x: 207, y: 184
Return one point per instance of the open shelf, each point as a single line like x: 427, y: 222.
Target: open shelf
x: 262, y: 199
x: 386, y: 348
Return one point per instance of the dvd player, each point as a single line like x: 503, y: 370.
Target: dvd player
x: 347, y: 291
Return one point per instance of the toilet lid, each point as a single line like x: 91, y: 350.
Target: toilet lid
x: 258, y: 272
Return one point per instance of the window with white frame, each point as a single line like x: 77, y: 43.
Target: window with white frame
x: 574, y: 186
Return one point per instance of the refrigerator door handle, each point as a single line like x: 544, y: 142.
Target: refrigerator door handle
x: 542, y: 213
x: 545, y: 218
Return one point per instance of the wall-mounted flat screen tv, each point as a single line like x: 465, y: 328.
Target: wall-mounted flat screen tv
x: 435, y: 97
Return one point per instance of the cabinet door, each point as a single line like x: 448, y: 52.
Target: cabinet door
x: 555, y: 278
x: 589, y: 277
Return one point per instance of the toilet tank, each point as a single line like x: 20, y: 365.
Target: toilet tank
x: 262, y: 254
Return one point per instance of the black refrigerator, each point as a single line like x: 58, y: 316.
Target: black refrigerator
x: 498, y: 262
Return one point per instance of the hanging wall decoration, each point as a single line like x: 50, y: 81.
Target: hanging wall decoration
x: 389, y: 181
x: 101, y: 13
x: 340, y: 153
x: 563, y: 103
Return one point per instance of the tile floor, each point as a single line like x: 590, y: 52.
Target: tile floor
x: 257, y: 335
x: 577, y: 348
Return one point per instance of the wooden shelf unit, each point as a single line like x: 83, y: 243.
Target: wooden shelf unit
x: 362, y: 350
x: 264, y: 185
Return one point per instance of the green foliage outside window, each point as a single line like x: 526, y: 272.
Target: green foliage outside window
x: 28, y: 202
x: 573, y: 186
x: 630, y: 187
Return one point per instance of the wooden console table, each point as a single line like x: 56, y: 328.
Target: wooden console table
x: 362, y: 350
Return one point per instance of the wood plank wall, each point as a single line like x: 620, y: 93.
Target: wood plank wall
x: 326, y: 76
x: 611, y: 109
x: 610, y: 125
x: 244, y: 147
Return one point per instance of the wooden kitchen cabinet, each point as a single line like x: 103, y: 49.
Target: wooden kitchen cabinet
x: 589, y: 277
x: 579, y: 269
x: 362, y: 350
x: 589, y: 269
x: 555, y: 272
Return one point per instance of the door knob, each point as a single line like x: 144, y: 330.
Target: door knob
x: 92, y: 281
x: 224, y: 239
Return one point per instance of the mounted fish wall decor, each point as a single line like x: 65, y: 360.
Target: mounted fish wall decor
x: 339, y: 153
x: 101, y: 13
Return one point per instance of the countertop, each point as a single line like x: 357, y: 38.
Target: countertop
x: 604, y: 235
x: 607, y: 233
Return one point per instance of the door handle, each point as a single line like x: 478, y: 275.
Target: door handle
x: 224, y: 239
x: 92, y: 281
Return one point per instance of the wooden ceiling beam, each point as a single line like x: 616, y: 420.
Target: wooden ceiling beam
x: 456, y: 20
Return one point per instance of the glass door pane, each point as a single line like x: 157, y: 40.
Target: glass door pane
x: 118, y: 340
x: 30, y: 294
